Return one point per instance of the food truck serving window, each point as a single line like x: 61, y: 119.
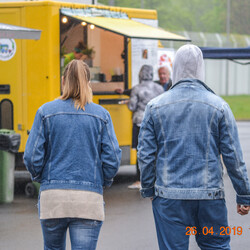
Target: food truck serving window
x: 103, y: 41
x: 102, y: 50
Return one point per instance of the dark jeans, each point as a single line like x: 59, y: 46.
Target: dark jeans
x: 135, y: 134
x: 83, y: 233
x: 175, y: 220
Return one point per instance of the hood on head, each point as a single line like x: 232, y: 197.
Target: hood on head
x: 146, y: 73
x: 188, y: 63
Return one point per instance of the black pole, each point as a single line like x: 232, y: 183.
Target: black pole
x: 125, y: 62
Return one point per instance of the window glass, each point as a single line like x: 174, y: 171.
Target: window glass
x: 102, y: 50
x: 6, y: 114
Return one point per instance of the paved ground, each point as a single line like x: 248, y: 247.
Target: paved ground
x: 129, y: 221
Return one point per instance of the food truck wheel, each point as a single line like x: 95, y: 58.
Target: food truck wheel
x: 30, y: 190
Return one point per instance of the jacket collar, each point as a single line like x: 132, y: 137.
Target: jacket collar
x: 193, y: 81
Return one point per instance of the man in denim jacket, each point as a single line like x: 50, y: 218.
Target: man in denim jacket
x: 183, y: 135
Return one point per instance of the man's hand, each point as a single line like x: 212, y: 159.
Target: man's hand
x: 242, y: 210
x: 119, y: 91
x: 124, y: 101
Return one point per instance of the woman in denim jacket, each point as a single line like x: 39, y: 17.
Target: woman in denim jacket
x: 72, y: 151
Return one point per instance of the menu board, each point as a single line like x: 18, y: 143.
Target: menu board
x: 165, y: 58
x: 143, y: 51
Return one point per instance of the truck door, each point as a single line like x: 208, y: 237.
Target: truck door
x: 11, y: 80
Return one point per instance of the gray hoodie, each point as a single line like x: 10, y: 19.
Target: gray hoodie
x: 142, y: 93
x: 188, y: 63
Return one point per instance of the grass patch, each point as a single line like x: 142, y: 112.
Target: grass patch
x: 240, y: 106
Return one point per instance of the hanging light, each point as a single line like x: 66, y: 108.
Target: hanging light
x: 83, y: 23
x: 64, y: 19
x: 92, y: 26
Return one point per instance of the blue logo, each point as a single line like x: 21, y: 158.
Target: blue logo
x: 7, y: 49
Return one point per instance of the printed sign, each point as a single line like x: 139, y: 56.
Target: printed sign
x: 143, y: 52
x: 165, y: 58
x: 7, y: 49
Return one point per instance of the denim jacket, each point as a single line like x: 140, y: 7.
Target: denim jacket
x: 72, y: 149
x: 183, y: 135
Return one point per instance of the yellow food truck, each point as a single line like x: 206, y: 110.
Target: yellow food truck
x: 117, y: 42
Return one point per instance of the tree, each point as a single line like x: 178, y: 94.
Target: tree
x: 196, y: 15
x: 240, y: 21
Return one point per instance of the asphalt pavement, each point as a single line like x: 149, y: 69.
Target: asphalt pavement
x: 129, y: 223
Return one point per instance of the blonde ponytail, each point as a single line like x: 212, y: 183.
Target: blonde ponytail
x: 76, y: 84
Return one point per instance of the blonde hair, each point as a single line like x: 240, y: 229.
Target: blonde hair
x: 76, y: 85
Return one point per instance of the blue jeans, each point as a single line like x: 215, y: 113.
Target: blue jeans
x: 176, y: 220
x: 83, y: 233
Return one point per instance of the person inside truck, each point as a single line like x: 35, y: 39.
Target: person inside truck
x: 164, y: 78
x: 76, y: 54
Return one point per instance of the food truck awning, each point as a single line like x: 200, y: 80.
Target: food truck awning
x: 17, y: 32
x: 130, y: 28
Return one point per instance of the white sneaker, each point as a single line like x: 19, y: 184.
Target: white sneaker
x: 135, y: 185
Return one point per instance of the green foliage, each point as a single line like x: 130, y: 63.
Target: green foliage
x: 240, y: 105
x: 214, y: 19
x: 195, y: 15
x: 240, y: 20
x: 123, y: 3
x: 89, y: 52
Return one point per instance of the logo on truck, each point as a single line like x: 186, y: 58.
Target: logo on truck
x: 7, y: 49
